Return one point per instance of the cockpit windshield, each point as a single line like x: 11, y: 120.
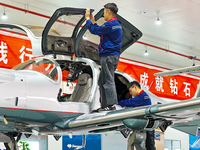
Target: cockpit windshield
x: 41, y: 65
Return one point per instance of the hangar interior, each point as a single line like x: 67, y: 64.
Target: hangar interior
x: 171, y: 43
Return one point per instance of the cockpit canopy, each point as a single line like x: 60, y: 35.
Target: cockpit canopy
x: 42, y: 65
x: 71, y: 35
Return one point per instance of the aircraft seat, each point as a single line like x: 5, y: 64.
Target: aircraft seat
x: 82, y: 89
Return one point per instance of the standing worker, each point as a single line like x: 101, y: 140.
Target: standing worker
x: 140, y: 99
x: 109, y: 50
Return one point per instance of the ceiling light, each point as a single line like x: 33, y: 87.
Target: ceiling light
x: 146, y: 53
x: 4, y: 16
x: 158, y: 21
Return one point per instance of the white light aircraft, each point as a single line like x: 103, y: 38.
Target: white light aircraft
x: 32, y: 100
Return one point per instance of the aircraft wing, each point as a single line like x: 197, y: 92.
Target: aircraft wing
x: 179, y: 115
x: 192, y: 69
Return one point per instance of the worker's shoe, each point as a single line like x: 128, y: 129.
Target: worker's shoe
x: 109, y: 108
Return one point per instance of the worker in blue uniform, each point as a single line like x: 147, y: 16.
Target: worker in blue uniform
x: 140, y: 98
x: 109, y: 50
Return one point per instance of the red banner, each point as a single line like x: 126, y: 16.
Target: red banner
x: 16, y: 48
x: 174, y: 87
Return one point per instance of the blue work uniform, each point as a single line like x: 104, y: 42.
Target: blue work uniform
x: 111, y: 36
x: 109, y: 50
x: 142, y: 99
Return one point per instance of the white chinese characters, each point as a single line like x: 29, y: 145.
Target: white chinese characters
x: 159, y: 84
x: 173, y: 86
x: 187, y: 89
x: 24, y: 54
x: 3, y: 52
x: 144, y: 80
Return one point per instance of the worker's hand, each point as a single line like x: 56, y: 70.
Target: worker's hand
x: 87, y: 14
x: 92, y: 19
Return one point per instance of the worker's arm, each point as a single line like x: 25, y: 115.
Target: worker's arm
x: 134, y: 102
x: 98, y: 30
